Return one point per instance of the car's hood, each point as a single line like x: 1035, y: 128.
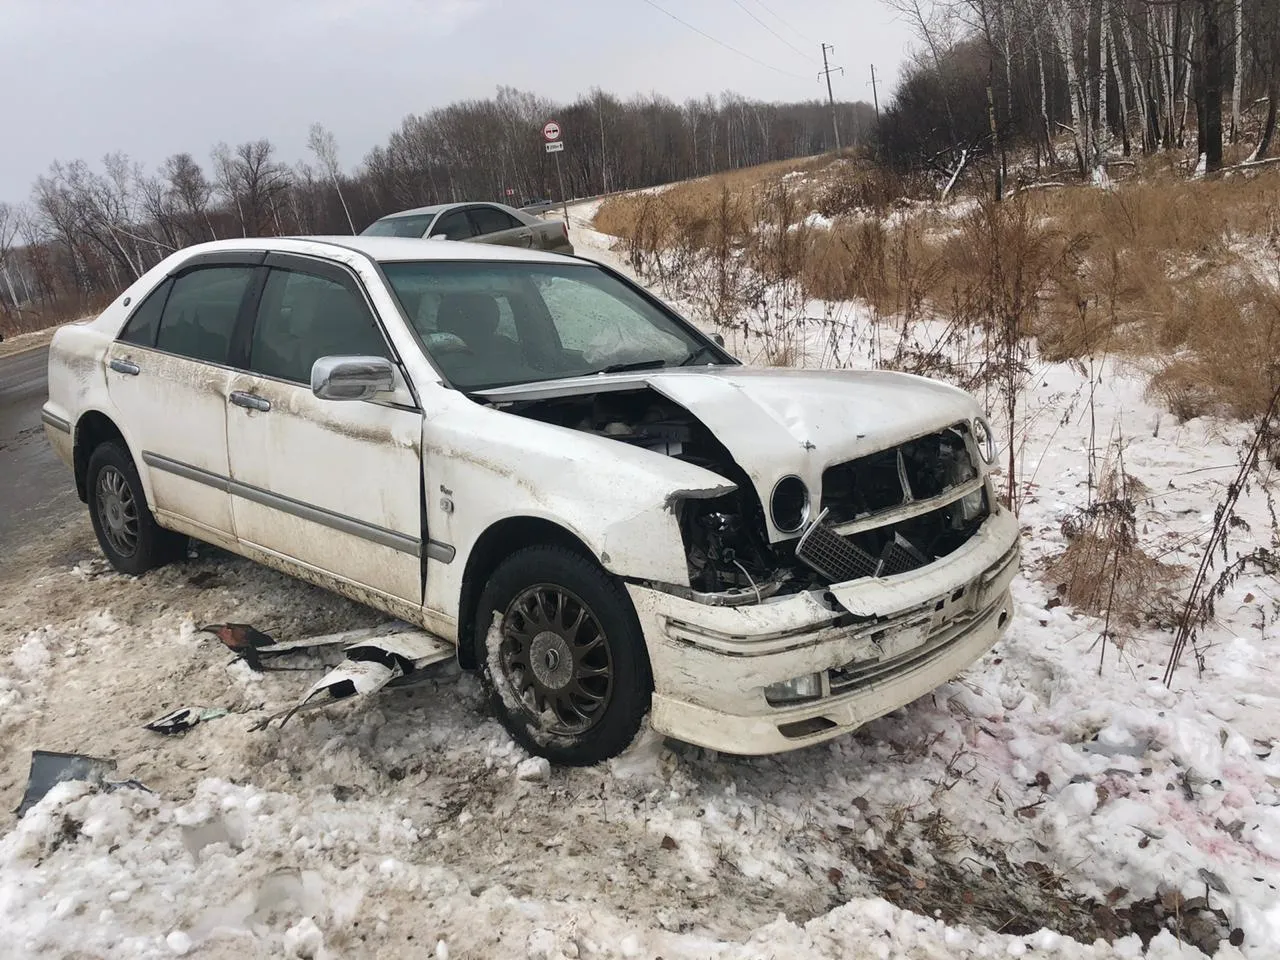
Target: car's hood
x: 777, y: 422
x: 763, y: 415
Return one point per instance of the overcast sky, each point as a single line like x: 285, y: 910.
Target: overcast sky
x: 81, y: 78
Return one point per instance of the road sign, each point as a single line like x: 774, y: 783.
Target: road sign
x: 510, y: 192
x: 551, y: 131
x: 555, y: 146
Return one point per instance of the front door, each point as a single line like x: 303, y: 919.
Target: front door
x: 168, y: 374
x: 334, y: 485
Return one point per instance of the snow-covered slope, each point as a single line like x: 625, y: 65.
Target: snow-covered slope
x: 410, y: 825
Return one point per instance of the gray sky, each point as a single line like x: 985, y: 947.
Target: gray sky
x: 81, y: 78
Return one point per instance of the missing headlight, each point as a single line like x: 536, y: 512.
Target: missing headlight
x: 789, y: 505
x: 984, y: 439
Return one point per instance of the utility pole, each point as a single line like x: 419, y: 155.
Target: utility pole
x: 875, y: 97
x: 827, y: 71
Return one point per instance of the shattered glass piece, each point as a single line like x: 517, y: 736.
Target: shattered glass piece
x: 49, y: 769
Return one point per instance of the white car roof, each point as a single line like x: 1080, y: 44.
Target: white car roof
x: 390, y: 249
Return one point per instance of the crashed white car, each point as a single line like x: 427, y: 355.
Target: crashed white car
x: 538, y: 461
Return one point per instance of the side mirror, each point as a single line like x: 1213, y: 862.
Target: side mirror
x: 437, y: 236
x: 352, y: 378
x: 718, y: 338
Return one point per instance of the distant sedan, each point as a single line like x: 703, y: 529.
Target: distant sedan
x: 478, y: 223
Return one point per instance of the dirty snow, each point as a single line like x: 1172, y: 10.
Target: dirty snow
x: 411, y: 825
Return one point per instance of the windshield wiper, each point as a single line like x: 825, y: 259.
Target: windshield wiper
x: 634, y: 365
x: 692, y: 358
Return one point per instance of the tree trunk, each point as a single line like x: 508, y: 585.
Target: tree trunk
x: 995, y: 137
x: 1044, y: 106
x: 1122, y: 98
x: 1104, y: 64
x: 1064, y: 33
x: 1141, y: 93
x: 1185, y: 61
x: 343, y: 200
x: 1269, y: 127
x: 1237, y: 47
x: 1211, y: 86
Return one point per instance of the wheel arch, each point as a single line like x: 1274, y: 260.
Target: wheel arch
x: 499, y: 541
x: 92, y: 429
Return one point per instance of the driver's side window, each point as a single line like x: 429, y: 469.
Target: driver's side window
x: 303, y: 317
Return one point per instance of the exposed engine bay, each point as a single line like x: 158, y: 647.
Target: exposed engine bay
x: 726, y: 541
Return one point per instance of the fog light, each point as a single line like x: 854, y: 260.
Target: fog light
x: 808, y: 687
x: 971, y: 504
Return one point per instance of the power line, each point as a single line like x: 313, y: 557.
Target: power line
x: 747, y: 11
x: 769, y: 11
x: 767, y: 66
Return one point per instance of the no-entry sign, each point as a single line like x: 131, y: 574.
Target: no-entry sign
x: 551, y: 131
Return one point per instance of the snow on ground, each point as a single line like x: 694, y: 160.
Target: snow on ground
x: 410, y: 825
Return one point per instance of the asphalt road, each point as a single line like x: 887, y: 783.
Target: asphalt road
x: 37, y: 493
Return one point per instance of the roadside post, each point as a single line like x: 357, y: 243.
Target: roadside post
x: 551, y: 133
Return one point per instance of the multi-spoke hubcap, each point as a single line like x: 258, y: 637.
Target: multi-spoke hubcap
x: 555, y: 659
x: 117, y: 511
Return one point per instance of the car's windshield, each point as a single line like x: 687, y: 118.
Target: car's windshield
x: 414, y: 226
x: 494, y: 324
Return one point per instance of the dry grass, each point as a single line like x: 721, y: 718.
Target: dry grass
x: 1182, y: 276
x: 1104, y: 571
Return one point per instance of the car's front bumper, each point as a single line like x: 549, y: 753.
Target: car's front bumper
x: 711, y: 664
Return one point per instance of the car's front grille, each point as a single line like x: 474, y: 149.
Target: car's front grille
x: 835, y: 557
x: 919, y: 469
x: 893, y: 548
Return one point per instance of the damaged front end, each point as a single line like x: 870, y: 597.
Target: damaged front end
x: 887, y: 512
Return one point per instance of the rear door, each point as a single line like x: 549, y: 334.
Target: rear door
x: 168, y: 374
x: 498, y: 226
x: 335, y: 485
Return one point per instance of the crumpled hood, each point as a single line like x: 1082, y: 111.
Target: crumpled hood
x: 768, y: 418
x: 781, y: 422
x: 777, y: 422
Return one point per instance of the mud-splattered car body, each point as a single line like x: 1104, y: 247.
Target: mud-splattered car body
x: 796, y: 552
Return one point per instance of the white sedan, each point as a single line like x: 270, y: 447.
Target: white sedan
x: 538, y: 461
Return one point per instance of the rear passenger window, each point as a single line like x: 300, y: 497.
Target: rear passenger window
x: 492, y: 220
x: 145, y: 322
x: 201, y: 312
x: 303, y: 317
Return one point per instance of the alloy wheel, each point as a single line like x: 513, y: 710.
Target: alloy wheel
x: 555, y: 659
x: 117, y: 511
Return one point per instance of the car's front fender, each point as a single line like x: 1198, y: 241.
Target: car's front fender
x: 482, y: 466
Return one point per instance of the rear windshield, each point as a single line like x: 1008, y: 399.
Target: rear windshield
x: 414, y: 226
x: 491, y: 324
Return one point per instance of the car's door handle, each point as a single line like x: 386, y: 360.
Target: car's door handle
x: 127, y: 367
x: 250, y: 401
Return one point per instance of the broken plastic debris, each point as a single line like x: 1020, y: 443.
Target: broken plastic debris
x: 251, y: 644
x: 183, y: 719
x: 49, y: 769
x: 374, y: 660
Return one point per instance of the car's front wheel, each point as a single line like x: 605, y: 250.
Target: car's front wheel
x: 128, y: 534
x: 562, y: 656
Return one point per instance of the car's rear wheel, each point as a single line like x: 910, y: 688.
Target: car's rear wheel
x: 565, y: 668
x: 128, y: 534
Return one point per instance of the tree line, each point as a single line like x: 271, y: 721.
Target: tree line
x: 1110, y: 76
x: 88, y: 231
